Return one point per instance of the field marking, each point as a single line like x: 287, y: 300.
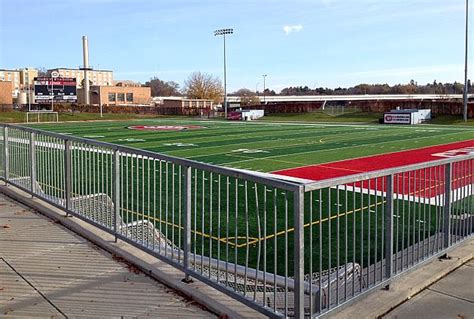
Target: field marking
x: 246, y: 143
x: 346, y: 137
x: 252, y: 134
x: 344, y: 147
x: 316, y: 222
x: 402, y: 130
x: 321, y: 124
x: 178, y: 152
x: 227, y: 240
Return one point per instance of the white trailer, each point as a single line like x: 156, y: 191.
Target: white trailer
x: 248, y: 115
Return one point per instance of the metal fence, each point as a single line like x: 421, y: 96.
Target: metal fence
x: 281, y: 247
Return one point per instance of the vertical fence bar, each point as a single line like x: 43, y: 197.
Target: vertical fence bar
x: 6, y: 161
x: 116, y: 191
x: 187, y: 219
x: 298, y: 198
x: 67, y: 175
x: 447, y: 205
x: 32, y: 163
x: 389, y: 228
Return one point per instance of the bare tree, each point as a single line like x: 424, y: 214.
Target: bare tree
x: 203, y: 86
x: 247, y: 97
x: 161, y: 88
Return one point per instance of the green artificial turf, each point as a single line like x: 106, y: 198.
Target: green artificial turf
x: 263, y: 146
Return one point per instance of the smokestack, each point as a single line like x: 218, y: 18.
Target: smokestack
x: 85, y: 53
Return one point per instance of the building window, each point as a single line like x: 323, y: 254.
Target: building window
x: 111, y: 97
x: 129, y: 97
x: 120, y: 97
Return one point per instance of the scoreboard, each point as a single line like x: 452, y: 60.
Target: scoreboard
x: 64, y: 90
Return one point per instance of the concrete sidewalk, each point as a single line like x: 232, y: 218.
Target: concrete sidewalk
x: 450, y: 297
x: 48, y: 271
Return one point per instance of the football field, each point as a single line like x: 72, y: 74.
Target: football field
x: 292, y: 149
x: 263, y: 146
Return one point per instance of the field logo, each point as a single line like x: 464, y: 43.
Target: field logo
x: 458, y: 152
x: 131, y: 140
x: 248, y: 151
x: 164, y: 127
x: 179, y: 144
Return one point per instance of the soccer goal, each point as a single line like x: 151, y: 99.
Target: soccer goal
x: 337, y: 109
x: 42, y: 117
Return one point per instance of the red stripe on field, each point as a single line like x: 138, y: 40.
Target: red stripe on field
x: 417, y: 184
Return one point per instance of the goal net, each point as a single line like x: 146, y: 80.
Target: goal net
x: 41, y: 117
x: 337, y: 109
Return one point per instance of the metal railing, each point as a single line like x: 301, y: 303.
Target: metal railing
x: 283, y: 248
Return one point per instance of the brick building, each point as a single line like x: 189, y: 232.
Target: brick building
x: 117, y: 95
x: 177, y: 105
x: 6, y: 93
x: 12, y: 76
x: 97, y: 77
x: 27, y: 76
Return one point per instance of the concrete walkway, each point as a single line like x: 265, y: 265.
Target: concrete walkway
x: 450, y: 297
x: 48, y: 271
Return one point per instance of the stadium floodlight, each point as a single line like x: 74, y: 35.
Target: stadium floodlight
x: 224, y: 32
x: 465, y: 64
x: 264, y: 77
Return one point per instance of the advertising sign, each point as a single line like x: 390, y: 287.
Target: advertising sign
x: 397, y: 118
x: 64, y: 90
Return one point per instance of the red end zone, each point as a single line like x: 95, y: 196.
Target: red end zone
x: 426, y: 183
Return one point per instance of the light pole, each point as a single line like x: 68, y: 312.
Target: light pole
x: 54, y: 75
x: 223, y: 32
x: 465, y: 64
x: 29, y: 95
x: 264, y: 77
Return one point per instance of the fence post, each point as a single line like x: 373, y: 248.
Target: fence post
x: 298, y: 266
x: 67, y: 175
x: 389, y: 229
x: 116, y: 191
x: 187, y: 220
x: 32, y: 163
x: 447, y: 205
x: 6, y: 163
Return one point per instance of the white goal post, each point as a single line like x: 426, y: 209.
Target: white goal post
x: 42, y: 117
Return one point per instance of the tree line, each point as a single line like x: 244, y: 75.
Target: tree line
x: 205, y: 86
x: 410, y: 88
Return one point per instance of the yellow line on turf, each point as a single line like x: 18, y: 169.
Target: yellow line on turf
x: 312, y: 223
x: 143, y: 215
x: 254, y: 240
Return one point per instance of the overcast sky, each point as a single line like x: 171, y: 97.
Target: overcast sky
x: 296, y: 42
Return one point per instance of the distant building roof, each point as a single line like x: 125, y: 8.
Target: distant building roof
x: 77, y: 69
x: 408, y: 111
